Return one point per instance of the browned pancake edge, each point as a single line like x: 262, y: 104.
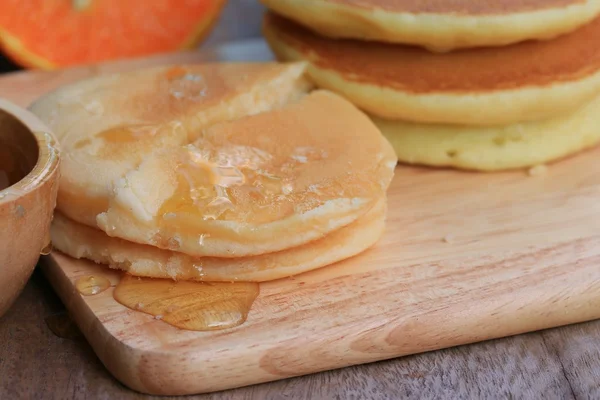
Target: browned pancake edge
x: 459, y: 7
x: 569, y: 58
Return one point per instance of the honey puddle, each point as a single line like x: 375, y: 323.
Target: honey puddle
x: 90, y: 285
x: 196, y: 306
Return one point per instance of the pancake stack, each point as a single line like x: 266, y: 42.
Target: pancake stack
x: 491, y: 85
x: 215, y: 172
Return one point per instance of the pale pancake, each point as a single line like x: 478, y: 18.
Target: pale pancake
x: 495, y: 86
x: 81, y: 241
x: 108, y: 124
x: 495, y: 148
x: 440, y: 25
x: 256, y: 185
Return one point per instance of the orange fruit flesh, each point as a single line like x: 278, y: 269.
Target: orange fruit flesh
x: 57, y: 33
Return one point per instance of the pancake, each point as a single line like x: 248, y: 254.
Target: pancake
x: 107, y: 125
x: 440, y: 25
x: 495, y: 86
x: 80, y: 241
x: 259, y: 184
x: 494, y: 148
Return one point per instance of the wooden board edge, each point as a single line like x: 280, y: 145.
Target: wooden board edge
x: 156, y: 372
x: 117, y: 357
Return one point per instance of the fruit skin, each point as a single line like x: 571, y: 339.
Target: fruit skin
x: 18, y: 52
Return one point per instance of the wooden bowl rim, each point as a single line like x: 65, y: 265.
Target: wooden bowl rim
x: 48, y: 153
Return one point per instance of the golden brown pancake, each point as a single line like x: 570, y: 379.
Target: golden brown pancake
x: 494, y: 86
x: 81, y: 241
x: 107, y: 125
x: 458, y: 7
x: 440, y: 24
x: 494, y: 148
x: 259, y: 184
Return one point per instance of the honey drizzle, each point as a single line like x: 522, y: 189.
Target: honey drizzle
x: 206, y: 176
x: 90, y: 285
x: 196, y: 306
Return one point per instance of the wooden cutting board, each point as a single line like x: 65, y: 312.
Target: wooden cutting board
x: 466, y: 257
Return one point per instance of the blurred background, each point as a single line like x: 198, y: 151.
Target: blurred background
x: 238, y: 20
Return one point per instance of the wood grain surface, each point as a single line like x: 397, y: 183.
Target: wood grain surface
x: 466, y: 257
x: 558, y: 363
x: 461, y: 262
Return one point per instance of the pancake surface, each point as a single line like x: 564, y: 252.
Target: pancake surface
x: 527, y: 81
x: 81, y: 241
x: 258, y: 184
x: 107, y: 125
x: 440, y: 24
x: 494, y: 148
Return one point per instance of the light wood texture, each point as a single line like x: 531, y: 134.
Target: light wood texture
x: 466, y: 257
x: 560, y: 363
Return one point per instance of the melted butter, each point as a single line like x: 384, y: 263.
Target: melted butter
x: 197, y: 306
x: 90, y: 285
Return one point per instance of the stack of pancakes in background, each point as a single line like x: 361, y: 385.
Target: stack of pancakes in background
x: 481, y: 85
x: 215, y: 172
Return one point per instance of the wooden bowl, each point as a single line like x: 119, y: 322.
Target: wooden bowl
x: 29, y: 160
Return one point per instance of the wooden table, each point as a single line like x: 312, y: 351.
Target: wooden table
x: 561, y: 363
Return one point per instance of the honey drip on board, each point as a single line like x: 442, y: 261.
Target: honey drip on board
x: 90, y: 285
x: 196, y: 306
x: 47, y: 249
